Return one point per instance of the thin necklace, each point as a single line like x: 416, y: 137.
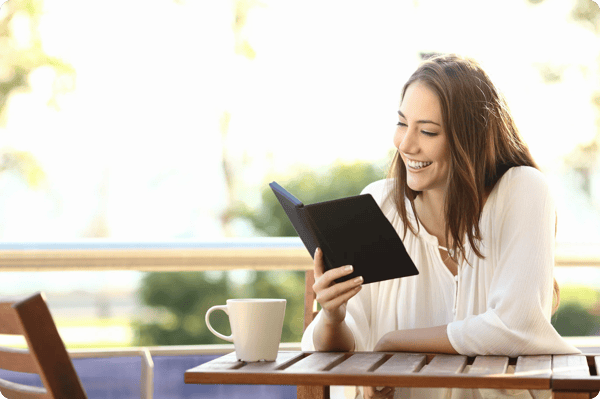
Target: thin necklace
x: 450, y: 252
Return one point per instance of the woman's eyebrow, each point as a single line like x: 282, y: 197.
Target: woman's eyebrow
x: 420, y: 121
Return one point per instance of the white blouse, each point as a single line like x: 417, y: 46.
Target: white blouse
x: 499, y: 305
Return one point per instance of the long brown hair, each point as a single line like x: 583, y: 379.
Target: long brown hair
x: 483, y: 142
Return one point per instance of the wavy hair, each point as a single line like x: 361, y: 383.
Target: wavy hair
x: 484, y: 143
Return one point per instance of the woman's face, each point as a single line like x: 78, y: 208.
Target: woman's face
x: 421, y: 139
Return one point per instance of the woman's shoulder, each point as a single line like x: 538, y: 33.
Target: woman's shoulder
x: 521, y: 187
x: 378, y: 188
x: 522, y: 180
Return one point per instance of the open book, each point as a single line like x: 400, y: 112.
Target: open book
x: 349, y: 231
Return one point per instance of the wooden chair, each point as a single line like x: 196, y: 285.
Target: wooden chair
x: 47, y: 355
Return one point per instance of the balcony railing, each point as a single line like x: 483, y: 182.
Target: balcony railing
x: 230, y: 254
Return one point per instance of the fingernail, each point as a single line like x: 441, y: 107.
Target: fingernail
x: 358, y: 279
x: 348, y: 268
x: 316, y: 251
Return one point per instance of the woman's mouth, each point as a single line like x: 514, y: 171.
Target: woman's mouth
x: 416, y: 165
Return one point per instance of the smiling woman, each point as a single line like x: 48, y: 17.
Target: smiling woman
x: 424, y: 146
x: 477, y: 219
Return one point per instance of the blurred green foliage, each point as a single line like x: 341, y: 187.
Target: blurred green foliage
x: 340, y: 180
x: 22, y: 53
x: 180, y: 299
x: 22, y: 50
x: 578, y: 314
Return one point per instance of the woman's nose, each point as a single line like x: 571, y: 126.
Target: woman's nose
x: 408, y: 142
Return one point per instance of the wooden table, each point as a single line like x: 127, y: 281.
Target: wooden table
x: 569, y: 376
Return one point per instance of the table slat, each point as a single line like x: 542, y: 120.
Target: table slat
x: 570, y: 366
x: 226, y: 362
x: 402, y: 369
x: 317, y: 361
x: 445, y: 364
x: 534, y: 366
x: 283, y: 358
x: 489, y: 365
x: 572, y: 373
x: 363, y: 363
x: 402, y: 363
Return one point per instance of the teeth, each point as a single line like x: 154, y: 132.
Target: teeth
x: 417, y: 165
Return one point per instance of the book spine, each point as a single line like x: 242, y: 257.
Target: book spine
x: 319, y: 238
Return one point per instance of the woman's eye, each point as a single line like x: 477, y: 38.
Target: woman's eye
x: 430, y: 134
x: 401, y: 124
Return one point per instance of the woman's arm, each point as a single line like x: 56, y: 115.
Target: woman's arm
x: 430, y: 339
x: 331, y: 332
x: 332, y: 336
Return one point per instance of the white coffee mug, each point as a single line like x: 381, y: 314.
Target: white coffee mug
x: 256, y: 326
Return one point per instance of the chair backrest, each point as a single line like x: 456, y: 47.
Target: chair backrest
x: 310, y: 299
x: 47, y: 355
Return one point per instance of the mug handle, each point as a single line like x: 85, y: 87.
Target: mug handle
x: 212, y: 330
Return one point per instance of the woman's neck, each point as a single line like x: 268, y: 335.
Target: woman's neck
x: 430, y: 210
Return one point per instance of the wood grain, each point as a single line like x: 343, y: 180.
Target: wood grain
x: 317, y: 361
x: 18, y: 391
x: 572, y: 373
x: 19, y: 360
x: 312, y: 392
x: 9, y: 321
x: 49, y: 352
x: 534, y: 366
x: 445, y: 364
x: 362, y: 363
x: 283, y: 358
x: 574, y: 366
x: 489, y: 365
x: 400, y: 370
x: 402, y: 363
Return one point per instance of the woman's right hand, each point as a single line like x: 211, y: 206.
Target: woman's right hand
x: 333, y: 296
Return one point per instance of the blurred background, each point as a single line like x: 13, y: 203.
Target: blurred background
x: 163, y: 120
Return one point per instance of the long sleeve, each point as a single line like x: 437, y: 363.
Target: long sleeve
x: 518, y: 298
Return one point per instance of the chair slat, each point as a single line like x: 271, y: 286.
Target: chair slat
x: 401, y: 363
x: 283, y: 358
x: 19, y: 391
x: 316, y: 362
x: 19, y: 360
x: 488, y: 365
x: 9, y: 321
x: 58, y: 374
x: 359, y: 364
x: 534, y: 366
x: 445, y: 364
x: 572, y: 366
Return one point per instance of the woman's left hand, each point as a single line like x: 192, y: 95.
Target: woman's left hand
x: 374, y: 393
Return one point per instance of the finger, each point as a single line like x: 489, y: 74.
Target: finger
x: 385, y: 392
x: 328, y: 278
x: 318, y: 263
x: 336, y: 302
x: 368, y: 392
x: 336, y: 290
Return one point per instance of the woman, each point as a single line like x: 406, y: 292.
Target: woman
x: 478, y: 220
